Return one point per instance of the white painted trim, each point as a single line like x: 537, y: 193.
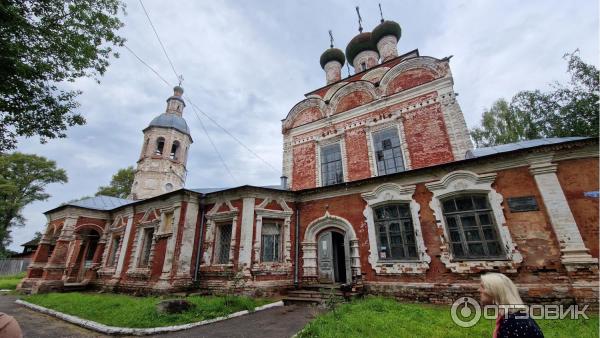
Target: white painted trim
x: 106, y: 329
x: 389, y: 193
x: 341, y: 140
x: 462, y: 181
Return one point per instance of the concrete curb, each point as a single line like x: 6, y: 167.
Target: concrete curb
x: 114, y: 330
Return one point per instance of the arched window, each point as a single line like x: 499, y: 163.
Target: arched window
x: 160, y: 144
x: 174, y: 149
x: 471, y: 227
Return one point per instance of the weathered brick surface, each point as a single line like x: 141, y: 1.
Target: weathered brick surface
x: 409, y: 79
x: 427, y: 137
x: 307, y: 116
x: 357, y: 154
x: 304, y: 171
x: 353, y: 100
x: 575, y: 182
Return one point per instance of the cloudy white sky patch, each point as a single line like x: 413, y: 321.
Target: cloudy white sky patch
x: 247, y: 63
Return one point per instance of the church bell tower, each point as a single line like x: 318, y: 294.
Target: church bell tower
x: 162, y: 164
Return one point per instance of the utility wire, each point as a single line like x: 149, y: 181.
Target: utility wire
x: 159, y: 40
x: 194, y: 105
x: 210, y: 140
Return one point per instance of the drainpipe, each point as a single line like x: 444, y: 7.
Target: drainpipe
x: 200, y: 242
x: 297, y: 247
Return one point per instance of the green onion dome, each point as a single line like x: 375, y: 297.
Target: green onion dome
x: 359, y: 43
x: 332, y: 54
x: 387, y: 27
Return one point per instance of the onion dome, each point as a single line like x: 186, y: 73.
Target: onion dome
x: 359, y: 43
x: 387, y: 27
x: 332, y: 54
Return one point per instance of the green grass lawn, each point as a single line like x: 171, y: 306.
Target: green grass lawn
x: 139, y: 312
x: 10, y: 282
x: 383, y: 317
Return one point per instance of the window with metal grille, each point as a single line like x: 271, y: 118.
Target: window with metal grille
x: 395, y: 233
x: 146, y: 247
x: 224, y: 243
x: 331, y: 165
x: 388, y: 154
x: 270, y: 243
x: 113, y: 250
x: 471, y: 227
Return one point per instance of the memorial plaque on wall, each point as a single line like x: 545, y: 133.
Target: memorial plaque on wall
x: 520, y: 204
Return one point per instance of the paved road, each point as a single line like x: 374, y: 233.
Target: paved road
x: 278, y: 322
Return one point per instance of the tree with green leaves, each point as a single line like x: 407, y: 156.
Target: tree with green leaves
x: 23, y: 179
x: 43, y: 45
x: 569, y: 109
x: 120, y: 184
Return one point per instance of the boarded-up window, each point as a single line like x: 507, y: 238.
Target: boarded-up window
x: 270, y: 243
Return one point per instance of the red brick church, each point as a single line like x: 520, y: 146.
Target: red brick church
x: 381, y: 188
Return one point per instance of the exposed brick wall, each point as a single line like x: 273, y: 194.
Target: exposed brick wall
x: 427, y: 136
x: 531, y: 231
x: 409, y: 79
x: 575, y: 182
x: 307, y: 116
x: 353, y: 100
x: 357, y: 154
x: 304, y: 172
x: 160, y: 249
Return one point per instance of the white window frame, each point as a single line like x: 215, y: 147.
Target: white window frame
x: 284, y: 216
x: 391, y: 193
x: 379, y: 126
x: 327, y: 142
x: 213, y: 219
x: 462, y: 182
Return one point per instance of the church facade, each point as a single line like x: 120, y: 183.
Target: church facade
x: 381, y: 188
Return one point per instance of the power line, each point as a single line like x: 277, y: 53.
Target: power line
x: 233, y: 137
x: 159, y: 40
x: 211, y: 141
x: 198, y: 108
x: 147, y: 65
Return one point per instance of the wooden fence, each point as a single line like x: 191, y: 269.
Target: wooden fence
x: 13, y: 266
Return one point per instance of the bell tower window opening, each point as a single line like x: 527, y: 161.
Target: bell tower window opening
x: 174, y: 149
x: 160, y: 145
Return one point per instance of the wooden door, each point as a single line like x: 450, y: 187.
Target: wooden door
x: 325, y: 253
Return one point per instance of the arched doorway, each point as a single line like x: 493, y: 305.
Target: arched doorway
x: 88, y: 245
x: 330, y: 251
x: 333, y: 257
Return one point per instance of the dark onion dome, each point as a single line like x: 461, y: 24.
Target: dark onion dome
x: 169, y: 120
x: 387, y: 27
x: 332, y: 54
x: 358, y: 44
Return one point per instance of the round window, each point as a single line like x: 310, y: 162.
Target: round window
x: 168, y: 187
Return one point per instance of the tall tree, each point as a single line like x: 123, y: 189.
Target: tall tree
x: 23, y: 179
x: 44, y: 44
x: 120, y: 184
x: 569, y: 109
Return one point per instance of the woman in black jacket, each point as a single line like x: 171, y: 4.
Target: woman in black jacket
x: 512, y: 320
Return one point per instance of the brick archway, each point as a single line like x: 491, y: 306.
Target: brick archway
x: 309, y: 244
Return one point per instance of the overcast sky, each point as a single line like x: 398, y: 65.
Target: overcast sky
x: 246, y: 63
